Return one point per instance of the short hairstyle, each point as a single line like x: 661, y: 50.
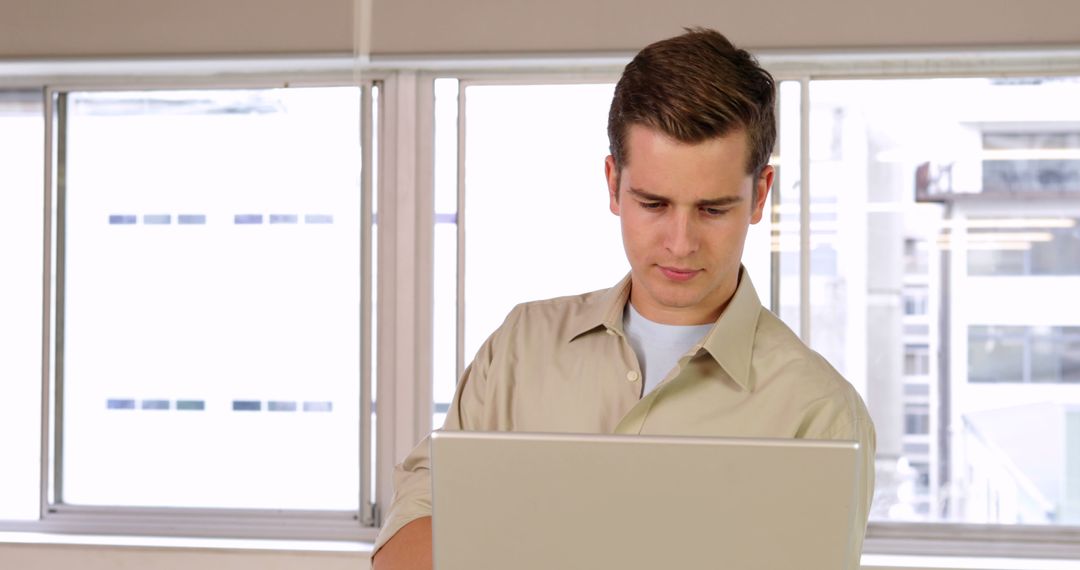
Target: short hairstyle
x: 695, y: 87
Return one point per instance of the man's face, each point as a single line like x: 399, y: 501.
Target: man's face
x: 684, y: 210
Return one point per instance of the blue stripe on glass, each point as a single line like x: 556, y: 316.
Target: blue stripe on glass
x: 155, y: 404
x: 442, y: 407
x: 445, y: 218
x: 318, y: 406
x: 120, y: 404
x: 275, y: 406
x: 193, y: 405
x: 318, y: 219
x: 157, y: 219
x: 284, y: 218
x: 248, y: 219
x: 121, y: 219
x: 246, y: 405
x: 192, y: 219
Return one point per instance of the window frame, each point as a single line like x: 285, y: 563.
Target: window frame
x: 54, y: 82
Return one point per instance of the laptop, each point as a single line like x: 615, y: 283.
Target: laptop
x: 521, y: 501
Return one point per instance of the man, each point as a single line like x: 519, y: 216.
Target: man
x: 682, y: 346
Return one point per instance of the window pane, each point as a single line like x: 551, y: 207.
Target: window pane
x: 537, y: 223
x: 955, y: 230
x: 788, y: 189
x: 22, y: 190
x: 211, y: 296
x: 1044, y: 245
x: 996, y: 354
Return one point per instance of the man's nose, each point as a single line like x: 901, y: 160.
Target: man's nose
x: 682, y: 239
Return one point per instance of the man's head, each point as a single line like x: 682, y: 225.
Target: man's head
x: 691, y: 130
x: 692, y: 88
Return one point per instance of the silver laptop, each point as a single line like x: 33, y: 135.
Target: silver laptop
x: 518, y: 501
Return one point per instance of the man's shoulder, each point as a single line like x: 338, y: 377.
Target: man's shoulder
x: 565, y: 303
x: 566, y: 309
x: 781, y: 356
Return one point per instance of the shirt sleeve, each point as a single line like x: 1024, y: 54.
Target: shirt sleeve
x: 847, y: 418
x: 412, y: 477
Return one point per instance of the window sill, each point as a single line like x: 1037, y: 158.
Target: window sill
x: 903, y: 562
x: 166, y: 542
x: 360, y: 551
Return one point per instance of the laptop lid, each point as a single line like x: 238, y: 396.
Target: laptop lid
x: 542, y: 501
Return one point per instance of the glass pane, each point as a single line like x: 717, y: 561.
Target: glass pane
x: 1046, y: 354
x: 788, y: 188
x: 22, y: 191
x: 996, y: 354
x: 537, y: 223
x: 945, y: 215
x: 211, y: 323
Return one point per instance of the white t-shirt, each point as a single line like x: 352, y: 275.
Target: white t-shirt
x: 658, y: 347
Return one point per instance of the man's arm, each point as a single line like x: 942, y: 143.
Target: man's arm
x: 408, y: 549
x: 407, y: 545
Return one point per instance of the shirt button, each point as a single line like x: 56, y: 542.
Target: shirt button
x: 632, y: 376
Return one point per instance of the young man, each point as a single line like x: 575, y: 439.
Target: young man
x: 682, y: 346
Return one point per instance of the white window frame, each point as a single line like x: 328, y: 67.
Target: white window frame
x: 56, y: 79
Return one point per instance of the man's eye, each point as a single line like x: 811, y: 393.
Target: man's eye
x: 715, y: 211
x: 652, y: 205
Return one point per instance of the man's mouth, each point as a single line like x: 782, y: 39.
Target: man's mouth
x: 678, y: 273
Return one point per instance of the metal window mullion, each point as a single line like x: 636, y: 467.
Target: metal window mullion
x: 804, y: 210
x: 59, y: 251
x: 367, y: 514
x: 46, y: 475
x: 774, y: 214
x: 460, y: 309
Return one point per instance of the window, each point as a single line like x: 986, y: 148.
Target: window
x: 205, y: 318
x: 915, y: 301
x: 1023, y: 354
x: 949, y: 216
x: 916, y: 360
x: 210, y: 243
x: 1048, y: 245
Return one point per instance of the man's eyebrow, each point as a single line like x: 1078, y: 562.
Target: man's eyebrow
x: 649, y: 197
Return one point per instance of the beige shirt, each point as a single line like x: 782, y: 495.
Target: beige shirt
x: 564, y: 365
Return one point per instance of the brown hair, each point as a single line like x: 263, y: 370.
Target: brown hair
x: 695, y: 87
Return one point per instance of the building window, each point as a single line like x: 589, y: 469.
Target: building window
x: 1045, y: 245
x: 1038, y: 354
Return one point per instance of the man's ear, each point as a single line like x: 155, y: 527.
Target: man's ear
x: 762, y: 186
x: 611, y: 172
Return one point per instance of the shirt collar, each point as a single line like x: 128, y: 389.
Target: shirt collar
x: 730, y: 341
x: 603, y: 310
